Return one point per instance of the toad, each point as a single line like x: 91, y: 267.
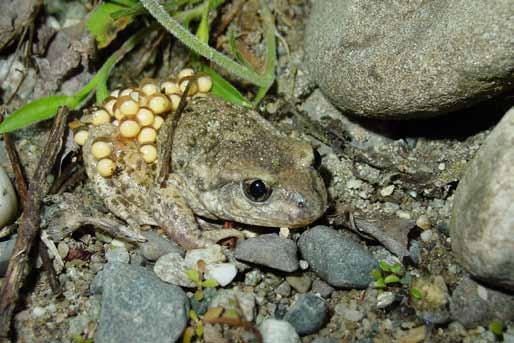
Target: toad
x: 227, y: 163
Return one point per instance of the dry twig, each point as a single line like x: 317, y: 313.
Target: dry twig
x: 29, y: 228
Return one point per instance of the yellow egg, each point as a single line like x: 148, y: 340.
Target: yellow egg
x: 109, y: 104
x: 105, y: 167
x: 204, y: 83
x: 80, y: 137
x: 127, y: 105
x: 159, y: 103
x: 147, y: 135
x: 175, y: 101
x: 192, y: 90
x: 145, y: 116
x: 170, y: 87
x: 149, y: 153
x: 126, y: 92
x: 150, y: 88
x: 157, y: 122
x: 100, y: 117
x: 129, y: 128
x: 101, y: 149
x: 185, y: 73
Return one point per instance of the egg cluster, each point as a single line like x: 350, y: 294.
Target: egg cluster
x: 138, y: 113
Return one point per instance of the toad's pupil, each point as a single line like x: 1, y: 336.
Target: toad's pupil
x: 258, y: 189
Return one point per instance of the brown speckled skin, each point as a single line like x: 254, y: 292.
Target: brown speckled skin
x: 216, y: 147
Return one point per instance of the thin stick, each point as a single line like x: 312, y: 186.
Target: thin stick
x: 29, y: 228
x: 21, y: 181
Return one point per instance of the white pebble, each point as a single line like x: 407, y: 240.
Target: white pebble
x: 223, y: 273
x: 426, y: 235
x: 387, y: 191
x: 211, y: 254
x: 8, y: 199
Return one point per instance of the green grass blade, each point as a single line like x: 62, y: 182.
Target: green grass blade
x: 224, y: 89
x: 37, y: 110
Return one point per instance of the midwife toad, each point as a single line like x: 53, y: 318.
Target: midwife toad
x: 228, y: 163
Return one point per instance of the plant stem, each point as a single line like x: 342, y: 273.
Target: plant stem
x: 188, y: 39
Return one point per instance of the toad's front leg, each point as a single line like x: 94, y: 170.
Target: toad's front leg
x: 130, y: 193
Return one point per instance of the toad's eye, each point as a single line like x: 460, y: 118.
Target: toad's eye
x: 316, y: 163
x: 256, y: 190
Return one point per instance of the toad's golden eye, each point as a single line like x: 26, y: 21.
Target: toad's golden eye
x: 256, y: 190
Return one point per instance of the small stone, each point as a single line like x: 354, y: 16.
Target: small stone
x: 223, y: 273
x: 284, y: 289
x: 278, y: 331
x: 326, y: 340
x: 426, y: 236
x: 432, y: 307
x: 211, y: 254
x: 117, y: 253
x: 157, y: 245
x: 301, y: 284
x: 387, y: 191
x: 241, y: 302
x: 424, y: 222
x: 348, y: 313
x: 172, y: 268
x: 322, y: 288
x: 269, y: 250
x: 8, y: 199
x: 6, y: 248
x: 63, y: 249
x: 38, y: 311
x: 482, y: 222
x: 473, y: 304
x: 304, y: 265
x: 385, y: 299
x: 413, y: 335
x: 336, y: 257
x: 138, y: 307
x: 253, y: 277
x: 308, y: 314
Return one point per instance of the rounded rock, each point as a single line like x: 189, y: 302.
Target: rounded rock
x: 409, y: 59
x: 482, y: 224
x: 308, y: 314
x: 336, y: 258
x: 278, y: 331
x: 8, y: 199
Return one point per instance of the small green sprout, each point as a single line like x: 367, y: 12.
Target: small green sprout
x: 497, y: 328
x: 387, y: 274
x: 416, y: 294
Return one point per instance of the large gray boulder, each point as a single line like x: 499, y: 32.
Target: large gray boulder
x: 410, y: 59
x: 482, y: 225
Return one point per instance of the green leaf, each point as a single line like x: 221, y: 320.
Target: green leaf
x: 391, y: 279
x: 377, y: 275
x: 103, y: 27
x: 193, y: 315
x: 37, y: 110
x: 380, y: 283
x: 386, y: 267
x: 210, y: 283
x: 231, y: 313
x: 224, y: 89
x: 397, y: 268
x: 416, y: 293
x: 193, y: 275
x: 496, y: 327
x: 188, y: 335
x: 203, y: 28
x: 198, y: 295
x: 199, y: 329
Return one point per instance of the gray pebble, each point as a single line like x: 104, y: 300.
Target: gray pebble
x: 409, y: 59
x: 278, y: 331
x: 482, y: 225
x: 283, y: 289
x: 6, y: 248
x: 157, y: 245
x: 337, y: 258
x: 348, y: 313
x: 253, y: 277
x: 308, y: 314
x: 472, y: 304
x: 138, y: 307
x: 301, y: 283
x: 269, y: 250
x: 117, y: 254
x: 236, y: 300
x: 322, y: 288
x: 326, y: 340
